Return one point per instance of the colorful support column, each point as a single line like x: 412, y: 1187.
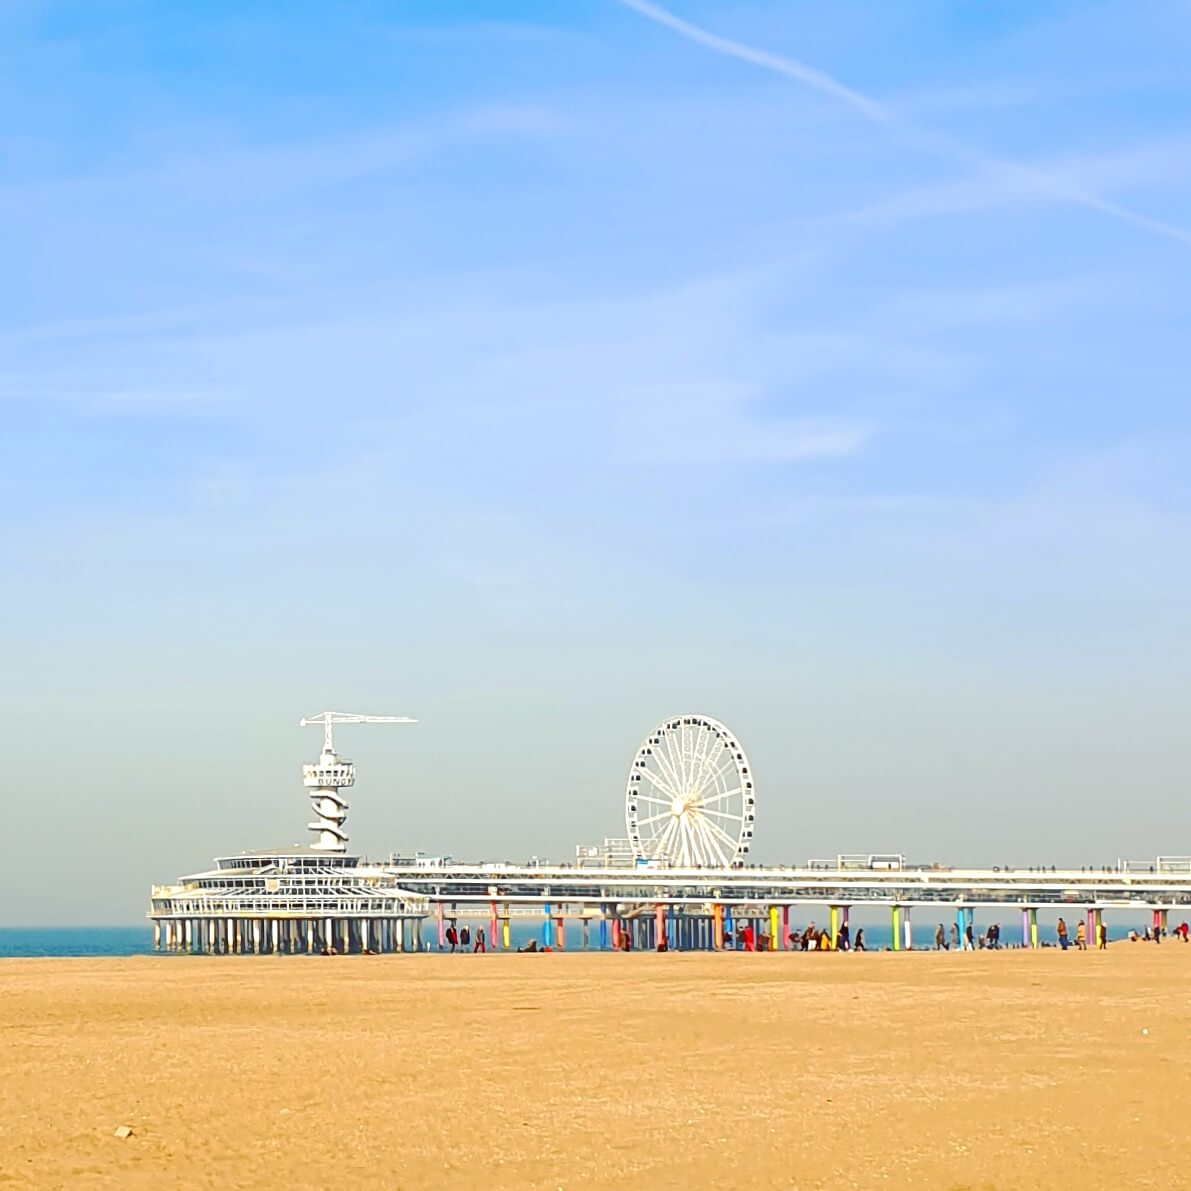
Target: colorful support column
x: 729, y: 927
x: 1033, y: 912
x: 896, y: 927
x: 834, y: 927
x: 773, y: 928
x: 560, y: 932
x: 1090, y: 926
x: 442, y: 928
x: 908, y: 929
x: 493, y: 924
x: 603, y: 928
x: 717, y: 921
x: 506, y: 928
x: 546, y: 925
x: 659, y: 923
x: 785, y: 928
x: 1094, y: 941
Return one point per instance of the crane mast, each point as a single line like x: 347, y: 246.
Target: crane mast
x: 331, y: 775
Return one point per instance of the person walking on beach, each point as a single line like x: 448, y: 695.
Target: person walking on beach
x: 941, y: 939
x: 481, y: 943
x: 465, y: 937
x: 1081, y: 936
x: 969, y: 942
x: 1102, y: 936
x: 955, y: 936
x: 1061, y: 931
x: 452, y: 937
x: 858, y: 945
x: 843, y: 938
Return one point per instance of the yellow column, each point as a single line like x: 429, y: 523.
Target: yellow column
x: 834, y: 927
x: 896, y: 917
x: 504, y: 930
x: 1034, y: 927
x: 773, y: 928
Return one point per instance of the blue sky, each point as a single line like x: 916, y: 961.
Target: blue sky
x: 543, y: 370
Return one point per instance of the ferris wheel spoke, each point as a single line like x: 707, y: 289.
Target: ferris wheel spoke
x: 714, y: 798
x: 721, y: 815
x: 717, y: 830
x: 653, y: 818
x: 721, y: 770
x: 710, y: 740
x: 653, y: 799
x: 660, y: 782
x: 666, y: 764
x: 662, y: 843
x: 713, y: 850
x: 675, y: 769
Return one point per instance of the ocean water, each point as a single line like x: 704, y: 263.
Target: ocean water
x: 20, y: 941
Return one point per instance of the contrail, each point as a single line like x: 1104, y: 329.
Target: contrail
x: 877, y: 113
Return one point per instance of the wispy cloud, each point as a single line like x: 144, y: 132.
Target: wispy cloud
x: 1049, y: 185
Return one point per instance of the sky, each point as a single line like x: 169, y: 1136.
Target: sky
x: 543, y: 371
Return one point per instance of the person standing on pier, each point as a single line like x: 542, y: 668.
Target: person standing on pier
x: 1061, y: 931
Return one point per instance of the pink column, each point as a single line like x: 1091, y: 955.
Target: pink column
x: 785, y: 928
x: 442, y: 928
x: 493, y: 941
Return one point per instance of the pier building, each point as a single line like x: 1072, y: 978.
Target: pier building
x: 679, y: 874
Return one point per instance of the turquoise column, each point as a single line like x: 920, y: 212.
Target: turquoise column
x: 546, y: 942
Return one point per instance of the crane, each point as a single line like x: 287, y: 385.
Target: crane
x: 331, y: 775
x: 329, y: 719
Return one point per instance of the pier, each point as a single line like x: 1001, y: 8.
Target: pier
x: 680, y: 875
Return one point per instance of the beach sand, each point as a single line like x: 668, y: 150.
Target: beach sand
x: 1010, y: 1070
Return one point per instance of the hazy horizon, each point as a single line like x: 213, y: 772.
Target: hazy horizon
x: 545, y: 371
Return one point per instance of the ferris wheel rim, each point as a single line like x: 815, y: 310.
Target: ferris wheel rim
x: 691, y: 797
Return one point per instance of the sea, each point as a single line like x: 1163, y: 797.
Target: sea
x: 94, y: 941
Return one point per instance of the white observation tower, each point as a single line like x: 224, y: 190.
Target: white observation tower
x: 332, y: 774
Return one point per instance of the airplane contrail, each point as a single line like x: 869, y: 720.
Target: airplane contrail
x: 877, y: 113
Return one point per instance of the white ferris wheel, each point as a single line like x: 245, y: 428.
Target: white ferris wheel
x: 690, y: 799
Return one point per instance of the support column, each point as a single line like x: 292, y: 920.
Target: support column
x: 1032, y: 921
x: 717, y: 926
x: 896, y: 927
x: 773, y: 928
x: 505, y: 930
x: 603, y: 928
x: 585, y: 924
x: 493, y: 925
x: 834, y: 927
x: 615, y: 934
x: 659, y: 924
x: 1098, y: 916
x: 1090, y: 927
x: 908, y: 928
x: 560, y: 931
x: 442, y: 927
x: 729, y: 927
x: 546, y: 925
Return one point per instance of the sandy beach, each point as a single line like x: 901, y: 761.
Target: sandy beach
x: 599, y: 1071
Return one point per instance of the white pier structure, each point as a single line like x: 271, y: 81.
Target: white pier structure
x: 690, y: 810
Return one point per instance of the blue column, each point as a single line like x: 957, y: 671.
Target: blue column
x: 729, y: 928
